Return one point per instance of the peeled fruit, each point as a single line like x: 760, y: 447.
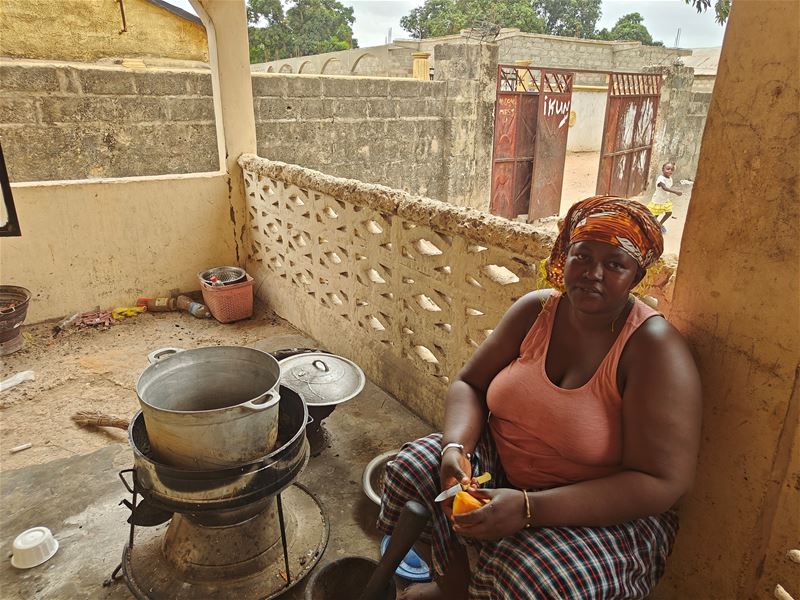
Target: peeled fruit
x: 464, y: 502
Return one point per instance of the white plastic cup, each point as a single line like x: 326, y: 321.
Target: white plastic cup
x: 33, y: 547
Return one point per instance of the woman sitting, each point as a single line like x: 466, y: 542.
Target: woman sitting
x: 584, y: 405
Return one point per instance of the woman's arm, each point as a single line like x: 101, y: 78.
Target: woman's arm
x: 661, y: 412
x: 465, y: 404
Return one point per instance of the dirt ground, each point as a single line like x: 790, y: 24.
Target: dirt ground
x: 580, y: 177
x: 93, y: 369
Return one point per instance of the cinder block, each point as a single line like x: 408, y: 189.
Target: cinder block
x: 161, y: 83
x: 82, y: 109
x: 268, y: 85
x: 28, y: 79
x: 199, y: 84
x: 313, y: 109
x: 333, y: 87
x: 275, y: 109
x: 373, y: 88
x: 406, y: 88
x: 99, y: 81
x: 303, y: 87
x: 382, y: 108
x: 37, y: 153
x: 191, y: 109
x: 350, y: 108
x: 17, y: 110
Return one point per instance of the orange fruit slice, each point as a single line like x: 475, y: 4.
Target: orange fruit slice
x: 464, y: 502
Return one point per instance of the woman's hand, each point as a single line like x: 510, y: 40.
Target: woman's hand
x: 455, y: 468
x: 504, y: 515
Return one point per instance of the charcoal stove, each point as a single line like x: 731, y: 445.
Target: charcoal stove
x: 248, y: 531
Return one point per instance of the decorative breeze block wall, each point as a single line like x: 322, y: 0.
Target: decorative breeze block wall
x: 405, y: 286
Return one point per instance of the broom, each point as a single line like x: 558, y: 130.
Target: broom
x: 94, y: 418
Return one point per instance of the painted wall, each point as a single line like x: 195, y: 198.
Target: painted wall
x: 107, y: 242
x: 586, y: 127
x: 736, y: 300
x: 78, y: 121
x: 88, y: 30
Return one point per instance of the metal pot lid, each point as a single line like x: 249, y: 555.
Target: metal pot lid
x: 322, y: 379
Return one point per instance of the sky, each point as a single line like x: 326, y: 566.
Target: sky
x: 662, y: 18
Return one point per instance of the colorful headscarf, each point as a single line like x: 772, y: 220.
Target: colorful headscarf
x: 612, y: 220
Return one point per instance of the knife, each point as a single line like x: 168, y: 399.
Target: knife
x: 452, y: 491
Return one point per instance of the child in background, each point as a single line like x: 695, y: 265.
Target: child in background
x: 661, y: 204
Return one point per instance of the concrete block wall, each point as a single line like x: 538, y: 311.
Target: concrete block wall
x: 67, y: 121
x: 680, y: 124
x: 378, y: 130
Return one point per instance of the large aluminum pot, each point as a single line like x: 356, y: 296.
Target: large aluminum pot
x: 210, y: 408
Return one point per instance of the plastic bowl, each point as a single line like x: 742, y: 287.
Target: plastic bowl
x: 412, y: 569
x: 33, y: 547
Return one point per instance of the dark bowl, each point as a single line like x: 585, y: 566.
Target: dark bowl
x: 344, y: 579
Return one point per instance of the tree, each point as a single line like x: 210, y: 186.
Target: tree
x: 722, y: 8
x: 629, y: 27
x: 445, y: 17
x: 307, y: 27
x: 573, y: 18
x: 556, y: 17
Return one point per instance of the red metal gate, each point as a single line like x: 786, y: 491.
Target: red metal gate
x: 530, y: 140
x: 514, y: 135
x: 628, y: 133
x: 550, y: 148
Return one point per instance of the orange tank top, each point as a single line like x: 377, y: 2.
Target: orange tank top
x: 547, y: 436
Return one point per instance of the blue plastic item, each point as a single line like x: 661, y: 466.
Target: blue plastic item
x: 412, y: 568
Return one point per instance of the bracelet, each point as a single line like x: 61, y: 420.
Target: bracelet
x: 527, y: 509
x: 455, y: 445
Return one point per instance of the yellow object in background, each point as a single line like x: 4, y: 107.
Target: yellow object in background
x: 127, y: 311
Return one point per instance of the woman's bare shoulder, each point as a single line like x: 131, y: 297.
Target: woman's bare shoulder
x: 658, y: 345
x: 531, y: 304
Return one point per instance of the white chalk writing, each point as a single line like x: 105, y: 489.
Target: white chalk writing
x: 555, y: 106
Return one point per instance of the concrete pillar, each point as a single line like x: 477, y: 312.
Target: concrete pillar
x: 419, y: 66
x: 226, y: 25
x: 524, y: 79
x: 676, y: 138
x: 736, y: 299
x: 470, y: 71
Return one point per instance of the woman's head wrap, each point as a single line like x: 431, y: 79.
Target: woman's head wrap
x: 616, y: 221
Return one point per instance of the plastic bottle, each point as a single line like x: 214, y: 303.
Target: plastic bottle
x: 158, y: 304
x: 198, y: 310
x: 216, y: 282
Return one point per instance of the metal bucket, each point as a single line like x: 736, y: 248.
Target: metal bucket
x: 210, y: 408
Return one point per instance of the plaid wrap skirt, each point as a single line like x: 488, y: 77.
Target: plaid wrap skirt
x: 622, y: 561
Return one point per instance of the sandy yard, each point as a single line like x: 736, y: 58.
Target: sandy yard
x: 580, y: 178
x: 94, y: 369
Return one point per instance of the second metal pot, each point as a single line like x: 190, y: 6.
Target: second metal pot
x: 212, y: 407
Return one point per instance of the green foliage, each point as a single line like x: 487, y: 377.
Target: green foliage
x: 573, y: 18
x: 629, y: 27
x: 307, y: 27
x: 722, y: 8
x: 445, y: 17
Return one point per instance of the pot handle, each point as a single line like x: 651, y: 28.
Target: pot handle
x: 161, y: 353
x: 261, y: 403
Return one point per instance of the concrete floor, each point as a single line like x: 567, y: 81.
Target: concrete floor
x: 77, y: 497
